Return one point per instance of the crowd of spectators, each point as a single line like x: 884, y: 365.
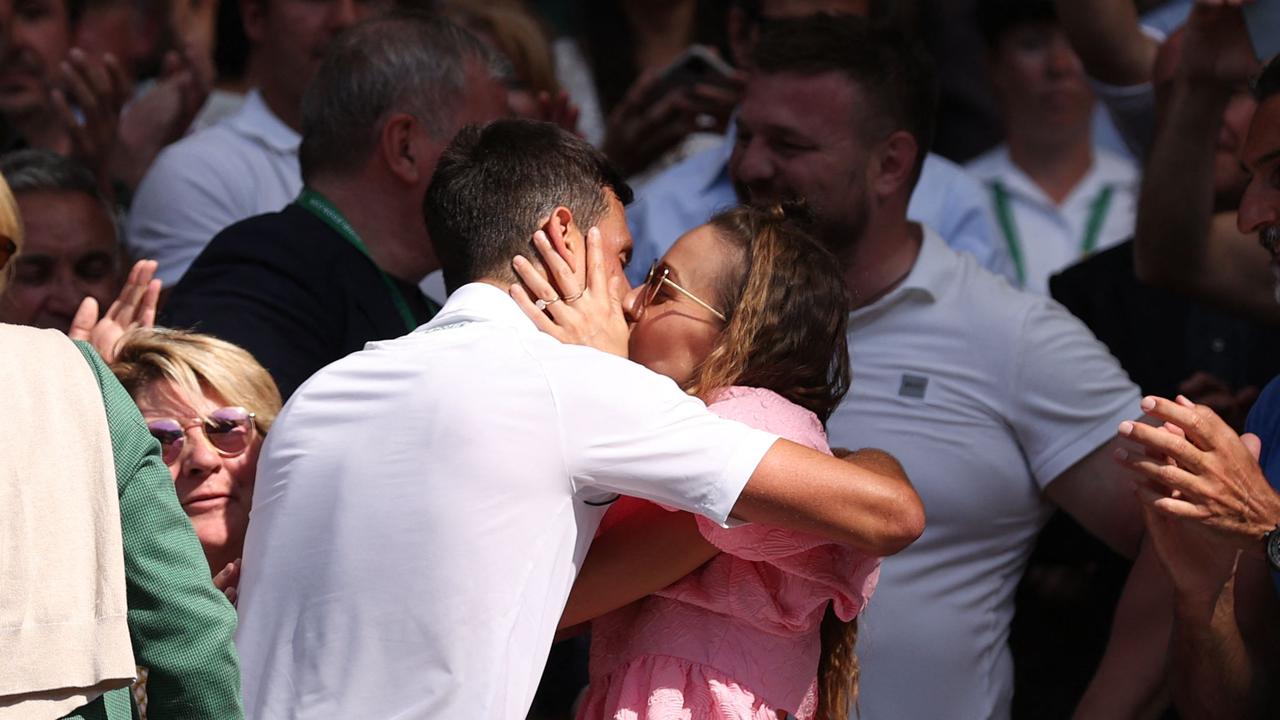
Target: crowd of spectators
x: 1005, y: 273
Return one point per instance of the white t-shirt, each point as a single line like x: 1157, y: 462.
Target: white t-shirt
x: 986, y: 394
x: 422, y: 508
x: 1050, y: 237
x: 245, y: 165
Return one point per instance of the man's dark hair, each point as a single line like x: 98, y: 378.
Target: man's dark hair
x: 31, y: 171
x: 1267, y: 84
x: 997, y: 17
x: 403, y: 62
x: 493, y: 185
x: 34, y: 171
x: 895, y: 75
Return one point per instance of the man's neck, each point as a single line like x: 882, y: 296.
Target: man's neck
x: 1056, y: 165
x: 285, y: 107
x: 392, y: 228
x: 881, y: 260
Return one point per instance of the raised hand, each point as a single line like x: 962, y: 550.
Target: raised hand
x: 160, y: 117
x: 581, y: 307
x: 135, y: 307
x: 228, y: 580
x: 558, y: 110
x: 1217, y: 45
x: 99, y: 89
x: 1203, y: 471
x: 641, y: 127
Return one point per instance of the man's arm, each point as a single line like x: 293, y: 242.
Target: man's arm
x: 1107, y: 37
x: 1214, y: 672
x: 1180, y: 244
x: 650, y: 548
x: 1129, y: 681
x: 869, y: 505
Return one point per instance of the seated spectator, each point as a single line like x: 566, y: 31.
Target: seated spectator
x: 71, y: 249
x: 38, y: 91
x: 94, y: 543
x: 304, y: 286
x: 210, y: 404
x: 1056, y: 195
x: 946, y: 199
x: 247, y: 164
x: 610, y: 68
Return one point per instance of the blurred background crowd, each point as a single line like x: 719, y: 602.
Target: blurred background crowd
x: 1088, y: 151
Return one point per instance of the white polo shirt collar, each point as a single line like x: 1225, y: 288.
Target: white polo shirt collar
x: 1103, y: 171
x: 933, y: 265
x: 255, y: 120
x: 479, y: 302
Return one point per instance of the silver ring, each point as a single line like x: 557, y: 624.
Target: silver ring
x: 542, y: 304
x: 581, y: 292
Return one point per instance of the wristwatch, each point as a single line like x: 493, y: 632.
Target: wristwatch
x: 1272, y: 542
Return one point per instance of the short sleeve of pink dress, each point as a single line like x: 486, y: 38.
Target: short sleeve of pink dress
x: 739, y: 637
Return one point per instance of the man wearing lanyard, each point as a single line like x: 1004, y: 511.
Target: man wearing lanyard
x: 1056, y: 196
x: 339, y: 267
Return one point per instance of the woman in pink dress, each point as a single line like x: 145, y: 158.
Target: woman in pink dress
x: 748, y: 313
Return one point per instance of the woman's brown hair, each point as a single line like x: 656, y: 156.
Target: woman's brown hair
x: 786, y: 311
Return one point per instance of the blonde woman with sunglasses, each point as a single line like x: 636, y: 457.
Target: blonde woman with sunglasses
x: 98, y: 565
x: 209, y: 404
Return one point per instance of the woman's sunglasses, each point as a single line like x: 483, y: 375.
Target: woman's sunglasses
x: 8, y: 248
x: 659, y: 276
x: 229, y: 430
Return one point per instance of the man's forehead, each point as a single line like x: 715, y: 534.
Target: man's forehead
x: 1262, y: 144
x: 800, y: 8
x: 798, y: 99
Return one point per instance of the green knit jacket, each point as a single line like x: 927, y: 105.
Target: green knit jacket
x: 181, y: 626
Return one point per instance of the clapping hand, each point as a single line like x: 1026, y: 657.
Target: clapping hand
x: 641, y: 127
x: 1198, y: 469
x: 159, y: 117
x: 135, y: 307
x: 98, y: 88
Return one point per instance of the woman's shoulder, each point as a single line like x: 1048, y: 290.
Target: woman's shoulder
x: 766, y: 410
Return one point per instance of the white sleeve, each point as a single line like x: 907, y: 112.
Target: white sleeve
x: 628, y: 430
x: 1068, y: 392
x: 181, y: 203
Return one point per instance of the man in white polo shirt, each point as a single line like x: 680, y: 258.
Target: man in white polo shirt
x: 422, y: 506
x: 999, y: 403
x: 247, y: 164
x: 1057, y: 196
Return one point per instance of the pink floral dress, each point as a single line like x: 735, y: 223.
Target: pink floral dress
x: 738, y: 638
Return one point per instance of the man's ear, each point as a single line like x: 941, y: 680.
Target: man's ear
x: 894, y: 163
x: 566, y: 238
x: 254, y: 17
x: 401, y: 147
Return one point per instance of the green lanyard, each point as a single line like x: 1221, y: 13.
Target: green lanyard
x: 1092, y: 229
x: 320, y: 206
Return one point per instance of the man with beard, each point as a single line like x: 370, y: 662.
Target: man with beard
x: 1214, y: 509
x: 1000, y: 404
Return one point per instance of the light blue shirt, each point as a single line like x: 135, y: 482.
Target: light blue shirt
x: 687, y: 194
